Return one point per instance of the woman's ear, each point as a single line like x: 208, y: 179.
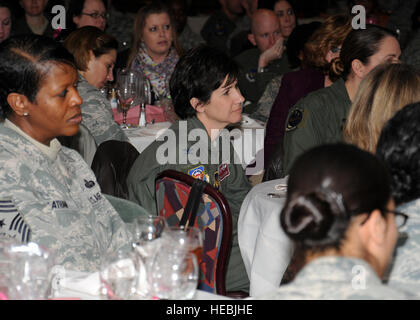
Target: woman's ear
x: 358, y: 68
x: 375, y: 227
x: 18, y: 102
x: 197, y: 104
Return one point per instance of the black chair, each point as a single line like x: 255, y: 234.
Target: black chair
x: 111, y: 164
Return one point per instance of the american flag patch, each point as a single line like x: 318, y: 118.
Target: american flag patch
x: 12, y: 224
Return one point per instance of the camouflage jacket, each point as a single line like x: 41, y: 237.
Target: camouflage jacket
x: 56, y: 203
x: 404, y: 269
x: 337, y: 278
x: 97, y: 114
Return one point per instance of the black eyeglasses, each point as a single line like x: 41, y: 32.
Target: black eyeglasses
x: 96, y: 15
x: 400, y: 218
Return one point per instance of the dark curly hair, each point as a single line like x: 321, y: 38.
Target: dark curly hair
x: 399, y: 148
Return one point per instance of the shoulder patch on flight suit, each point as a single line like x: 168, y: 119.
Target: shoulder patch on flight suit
x: 199, y: 173
x: 223, y: 171
x: 250, y: 76
x: 294, y: 119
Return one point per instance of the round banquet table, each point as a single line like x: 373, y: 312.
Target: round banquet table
x: 265, y: 248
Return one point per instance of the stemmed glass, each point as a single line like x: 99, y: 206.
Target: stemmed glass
x: 146, y: 231
x: 127, y: 91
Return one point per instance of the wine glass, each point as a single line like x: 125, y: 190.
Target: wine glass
x: 127, y: 85
x: 118, y: 275
x: 146, y: 231
x: 174, y: 274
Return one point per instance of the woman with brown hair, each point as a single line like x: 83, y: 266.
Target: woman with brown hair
x: 381, y: 94
x: 321, y: 48
x: 155, y: 50
x: 95, y: 53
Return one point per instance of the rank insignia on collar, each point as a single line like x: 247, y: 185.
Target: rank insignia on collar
x: 294, y: 119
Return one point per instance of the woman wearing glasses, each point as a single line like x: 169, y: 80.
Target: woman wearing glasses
x: 341, y: 216
x: 399, y: 148
x: 87, y: 13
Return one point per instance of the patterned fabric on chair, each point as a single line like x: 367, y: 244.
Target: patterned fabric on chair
x: 213, y: 218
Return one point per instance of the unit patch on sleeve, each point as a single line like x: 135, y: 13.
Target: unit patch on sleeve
x: 223, y: 171
x: 199, y: 173
x: 294, y: 119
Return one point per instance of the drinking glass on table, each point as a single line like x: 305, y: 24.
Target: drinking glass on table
x: 189, y: 239
x: 174, y: 274
x: 127, y: 85
x: 118, y: 276
x: 146, y: 231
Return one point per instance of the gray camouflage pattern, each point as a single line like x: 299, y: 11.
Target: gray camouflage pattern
x: 188, y: 39
x: 337, y: 278
x: 266, y: 101
x: 97, y: 114
x: 405, y: 267
x: 59, y: 201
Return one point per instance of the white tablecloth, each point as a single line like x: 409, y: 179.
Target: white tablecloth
x: 265, y: 248
x: 85, y: 286
x: 142, y: 137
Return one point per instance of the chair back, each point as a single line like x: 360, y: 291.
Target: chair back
x: 213, y: 218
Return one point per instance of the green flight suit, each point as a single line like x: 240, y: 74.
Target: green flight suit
x: 232, y: 182
x: 253, y: 83
x: 315, y: 120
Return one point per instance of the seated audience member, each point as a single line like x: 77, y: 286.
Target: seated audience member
x: 155, y: 50
x: 5, y: 20
x: 398, y: 148
x: 259, y: 65
x: 383, y: 92
x: 294, y: 50
x: 48, y: 187
x: 286, y: 16
x: 206, y: 97
x: 34, y: 21
x: 411, y: 52
x: 319, y: 117
x: 220, y: 26
x: 323, y: 47
x: 95, y: 52
x: 186, y: 37
x: 340, y: 214
x: 81, y: 13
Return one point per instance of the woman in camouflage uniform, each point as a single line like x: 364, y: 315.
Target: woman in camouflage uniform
x: 51, y: 195
x: 341, y: 215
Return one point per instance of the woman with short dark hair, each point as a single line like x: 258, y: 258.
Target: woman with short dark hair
x: 341, y: 216
x: 207, y: 99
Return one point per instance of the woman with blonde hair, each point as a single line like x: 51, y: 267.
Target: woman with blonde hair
x: 387, y: 89
x: 155, y: 50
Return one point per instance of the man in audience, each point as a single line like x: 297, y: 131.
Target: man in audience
x: 261, y: 64
x: 218, y: 29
